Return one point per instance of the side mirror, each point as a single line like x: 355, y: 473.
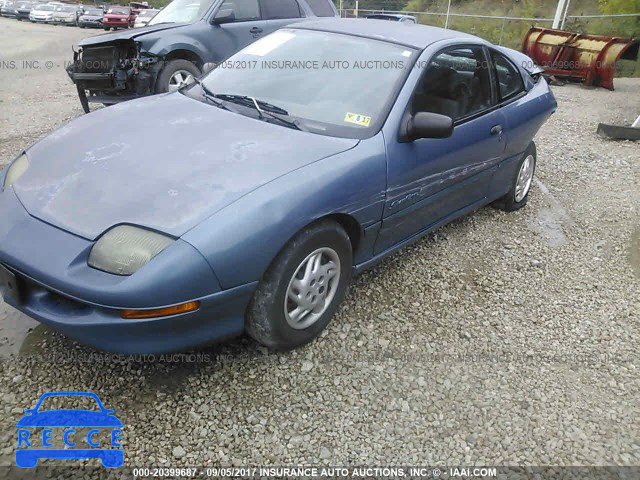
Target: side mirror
x: 226, y: 15
x: 427, y: 125
x: 29, y: 410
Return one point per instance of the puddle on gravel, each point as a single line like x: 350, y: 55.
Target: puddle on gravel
x: 17, y: 330
x: 634, y: 252
x: 550, y: 220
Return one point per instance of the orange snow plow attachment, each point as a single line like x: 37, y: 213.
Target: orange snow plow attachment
x: 591, y: 59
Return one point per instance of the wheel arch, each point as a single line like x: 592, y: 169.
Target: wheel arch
x: 184, y: 54
x: 346, y: 221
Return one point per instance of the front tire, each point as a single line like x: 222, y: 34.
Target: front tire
x: 176, y: 74
x: 302, y: 289
x: 520, y: 183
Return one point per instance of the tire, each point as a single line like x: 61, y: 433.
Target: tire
x: 170, y: 69
x: 514, y: 199
x: 106, y: 29
x: 266, y: 320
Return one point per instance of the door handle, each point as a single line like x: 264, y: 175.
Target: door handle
x: 256, y: 30
x: 496, y: 130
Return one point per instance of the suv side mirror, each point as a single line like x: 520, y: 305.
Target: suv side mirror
x: 427, y: 125
x: 226, y: 15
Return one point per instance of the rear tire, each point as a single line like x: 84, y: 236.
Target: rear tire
x: 271, y: 316
x: 521, y: 182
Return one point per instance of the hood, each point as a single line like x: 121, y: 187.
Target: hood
x: 166, y: 162
x: 69, y: 418
x: 127, y: 34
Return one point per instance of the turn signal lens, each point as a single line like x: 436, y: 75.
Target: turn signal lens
x: 160, y: 312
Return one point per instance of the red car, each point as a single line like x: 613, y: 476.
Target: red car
x: 118, y: 17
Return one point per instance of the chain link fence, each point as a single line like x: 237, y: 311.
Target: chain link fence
x: 507, y: 30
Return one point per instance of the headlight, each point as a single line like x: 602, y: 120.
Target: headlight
x: 125, y: 249
x: 16, y: 170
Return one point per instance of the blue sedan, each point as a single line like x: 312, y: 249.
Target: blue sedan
x: 264, y: 186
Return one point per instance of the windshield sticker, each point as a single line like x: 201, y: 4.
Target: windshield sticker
x: 406, y: 53
x: 357, y: 119
x: 268, y: 44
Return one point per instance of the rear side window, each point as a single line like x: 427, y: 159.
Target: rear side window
x: 321, y: 8
x: 508, y: 77
x: 273, y: 9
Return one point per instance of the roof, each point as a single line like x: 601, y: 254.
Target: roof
x: 409, y: 34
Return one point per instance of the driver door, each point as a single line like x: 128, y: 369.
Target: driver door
x: 248, y: 26
x: 433, y: 180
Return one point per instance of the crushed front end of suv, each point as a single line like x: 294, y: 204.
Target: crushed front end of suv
x: 184, y: 40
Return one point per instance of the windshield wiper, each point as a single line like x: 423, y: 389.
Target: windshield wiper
x: 264, y: 109
x: 209, y: 95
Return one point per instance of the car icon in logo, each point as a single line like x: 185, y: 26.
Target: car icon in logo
x: 32, y: 448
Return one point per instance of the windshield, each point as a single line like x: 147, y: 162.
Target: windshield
x: 333, y: 84
x: 66, y: 9
x: 147, y: 13
x: 44, y: 8
x: 182, y: 11
x: 66, y: 402
x: 119, y: 11
x: 93, y: 12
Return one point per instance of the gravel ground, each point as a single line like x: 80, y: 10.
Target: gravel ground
x: 505, y: 339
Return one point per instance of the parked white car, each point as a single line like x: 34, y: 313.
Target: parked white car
x: 42, y: 13
x: 144, y: 16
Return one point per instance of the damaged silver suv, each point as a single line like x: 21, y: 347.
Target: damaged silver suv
x: 184, y: 40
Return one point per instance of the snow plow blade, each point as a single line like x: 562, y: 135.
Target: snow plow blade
x: 591, y: 59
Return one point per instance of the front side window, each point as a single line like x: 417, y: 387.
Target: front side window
x: 509, y: 80
x: 274, y: 9
x: 332, y: 84
x: 456, y: 83
x: 243, y: 10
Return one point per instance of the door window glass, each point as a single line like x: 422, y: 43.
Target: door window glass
x: 456, y: 83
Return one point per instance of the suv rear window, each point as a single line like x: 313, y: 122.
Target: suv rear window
x: 272, y: 9
x: 321, y: 8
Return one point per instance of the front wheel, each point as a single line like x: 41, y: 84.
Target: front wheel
x: 175, y: 75
x: 521, y: 182
x: 302, y: 289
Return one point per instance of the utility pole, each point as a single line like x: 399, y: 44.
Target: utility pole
x: 560, y: 11
x: 446, y: 22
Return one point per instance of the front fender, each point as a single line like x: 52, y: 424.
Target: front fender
x: 161, y: 45
x: 241, y: 240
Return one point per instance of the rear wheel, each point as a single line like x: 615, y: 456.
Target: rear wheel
x: 521, y: 182
x: 302, y: 289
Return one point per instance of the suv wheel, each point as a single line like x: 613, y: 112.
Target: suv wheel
x: 175, y: 75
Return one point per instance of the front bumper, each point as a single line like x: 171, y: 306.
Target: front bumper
x: 90, y: 23
x: 113, y: 73
x: 64, y: 21
x: 61, y: 291
x: 220, y: 317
